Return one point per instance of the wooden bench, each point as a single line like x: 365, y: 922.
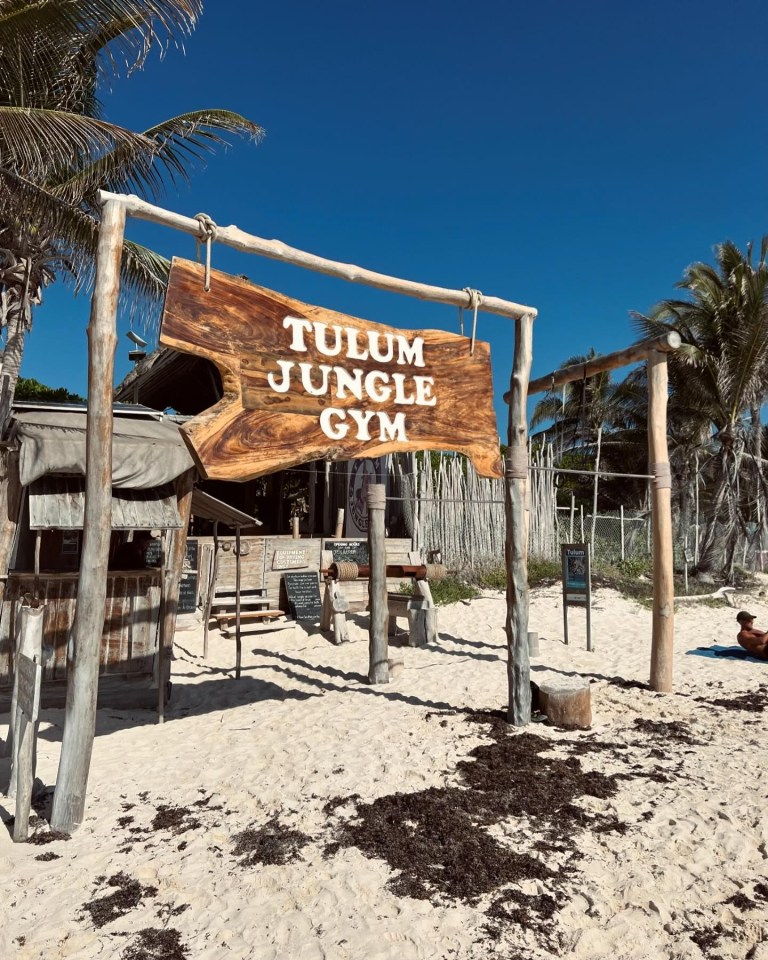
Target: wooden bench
x: 254, y: 599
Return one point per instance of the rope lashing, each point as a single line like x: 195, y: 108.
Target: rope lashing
x: 475, y: 301
x: 346, y: 570
x: 436, y: 571
x: 662, y: 475
x: 516, y: 463
x: 208, y: 232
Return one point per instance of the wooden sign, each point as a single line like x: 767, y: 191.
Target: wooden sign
x: 288, y: 559
x: 304, y: 383
x: 28, y: 692
x: 352, y: 551
x: 303, y: 592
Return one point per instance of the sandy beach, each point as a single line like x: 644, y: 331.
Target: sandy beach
x: 301, y: 813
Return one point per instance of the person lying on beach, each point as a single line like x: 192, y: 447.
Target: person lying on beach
x: 749, y: 637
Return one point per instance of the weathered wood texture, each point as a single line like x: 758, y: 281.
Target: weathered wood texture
x: 611, y: 361
x: 25, y: 729
x: 82, y: 675
x: 28, y: 643
x: 258, y: 572
x: 378, y: 645
x: 10, y: 502
x: 255, y: 430
x: 233, y: 236
x: 518, y: 663
x: 129, y: 638
x: 662, y: 644
x: 566, y: 705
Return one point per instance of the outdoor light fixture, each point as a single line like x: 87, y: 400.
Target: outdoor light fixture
x: 135, y: 356
x: 135, y: 338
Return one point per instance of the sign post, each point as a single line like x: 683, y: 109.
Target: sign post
x: 577, y: 585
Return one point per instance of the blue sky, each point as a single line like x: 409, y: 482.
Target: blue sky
x: 572, y: 156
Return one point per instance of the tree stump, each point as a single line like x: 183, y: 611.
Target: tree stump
x: 567, y: 705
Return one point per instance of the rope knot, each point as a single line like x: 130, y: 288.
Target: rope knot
x: 475, y: 301
x: 208, y: 232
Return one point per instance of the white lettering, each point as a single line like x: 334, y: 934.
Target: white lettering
x: 379, y: 395
x: 400, y: 395
x: 362, y: 419
x: 334, y: 431
x: 424, y: 396
x: 410, y: 352
x: 392, y: 429
x: 306, y: 378
x: 285, y: 366
x: 297, y: 326
x: 353, y: 347
x: 321, y: 343
x: 373, y: 342
x: 351, y: 382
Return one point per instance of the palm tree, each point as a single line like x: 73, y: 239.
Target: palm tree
x: 579, y: 415
x: 57, y: 150
x: 719, y: 379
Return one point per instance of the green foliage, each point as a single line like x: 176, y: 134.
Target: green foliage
x: 29, y: 389
x: 634, y: 567
x: 543, y: 573
x: 450, y: 590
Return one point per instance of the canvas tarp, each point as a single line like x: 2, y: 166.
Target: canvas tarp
x: 145, y: 453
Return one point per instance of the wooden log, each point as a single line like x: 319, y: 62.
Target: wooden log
x: 533, y: 644
x: 515, y: 551
x: 29, y: 643
x: 663, y: 636
x: 85, y: 643
x: 578, y: 371
x: 232, y: 236
x: 378, y: 668
x: 566, y: 705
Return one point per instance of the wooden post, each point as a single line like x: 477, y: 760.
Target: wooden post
x: 295, y: 532
x: 621, y: 527
x: 174, y: 567
x: 516, y: 479
x: 339, y: 532
x: 662, y: 646
x: 378, y: 647
x: 29, y: 644
x: 161, y: 639
x: 85, y: 640
x: 238, y: 639
x: 211, y: 587
x: 24, y: 752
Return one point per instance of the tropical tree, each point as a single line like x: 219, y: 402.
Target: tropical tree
x: 718, y: 382
x: 57, y: 149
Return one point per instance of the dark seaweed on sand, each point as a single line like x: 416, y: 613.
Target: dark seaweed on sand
x: 271, y: 844
x: 749, y: 702
x: 47, y: 836
x: 128, y: 894
x: 176, y: 819
x: 156, y: 944
x: 674, y: 730
x: 437, y: 839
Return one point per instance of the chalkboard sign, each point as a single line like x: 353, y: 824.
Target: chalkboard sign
x: 348, y: 551
x: 188, y: 582
x: 303, y: 591
x: 152, y: 554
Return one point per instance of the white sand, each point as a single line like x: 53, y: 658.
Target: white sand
x: 302, y: 726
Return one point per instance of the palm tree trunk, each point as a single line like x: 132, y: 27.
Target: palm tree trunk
x: 11, y: 364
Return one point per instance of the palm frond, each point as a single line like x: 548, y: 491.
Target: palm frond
x: 168, y: 156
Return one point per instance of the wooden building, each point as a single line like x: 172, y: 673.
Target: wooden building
x: 41, y: 521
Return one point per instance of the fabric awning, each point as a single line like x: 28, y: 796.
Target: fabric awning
x: 209, y: 508
x: 145, y: 453
x: 58, y: 503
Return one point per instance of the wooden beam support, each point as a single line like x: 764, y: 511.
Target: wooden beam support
x: 662, y: 645
x: 85, y: 641
x: 232, y: 236
x: 516, y: 547
x: 579, y: 371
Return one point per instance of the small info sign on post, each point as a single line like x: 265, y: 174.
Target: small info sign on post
x: 577, y: 586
